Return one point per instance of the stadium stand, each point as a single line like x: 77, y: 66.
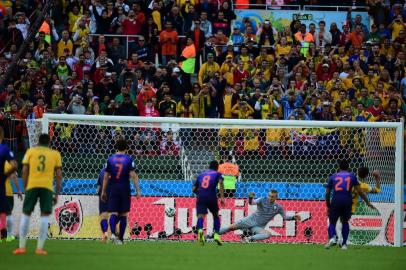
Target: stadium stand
x: 185, y: 58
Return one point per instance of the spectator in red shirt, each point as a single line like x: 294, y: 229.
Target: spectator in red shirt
x: 131, y: 26
x: 135, y: 63
x: 138, y: 12
x: 239, y: 73
x: 80, y: 66
x: 221, y: 24
x: 40, y: 109
x: 345, y: 35
x: 324, y: 72
x: 169, y: 146
x: 376, y: 110
x: 148, y: 109
x: 146, y: 94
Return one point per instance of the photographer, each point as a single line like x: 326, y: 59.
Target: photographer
x: 112, y: 107
x: 255, y: 97
x: 325, y: 114
x: 243, y: 110
x: 299, y: 114
x: 290, y: 102
x: 208, y: 101
x: 396, y: 26
x: 127, y: 108
x: 76, y: 106
x: 103, y: 60
x: 347, y: 114
x: 267, y: 104
x: 61, y: 108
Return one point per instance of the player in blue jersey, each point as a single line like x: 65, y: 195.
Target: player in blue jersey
x: 205, y: 189
x: 103, y: 207
x: 342, y: 184
x: 5, y: 155
x: 119, y: 169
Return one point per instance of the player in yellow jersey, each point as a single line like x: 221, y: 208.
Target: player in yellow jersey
x: 8, y: 233
x: 363, y: 172
x: 362, y: 175
x: 40, y: 165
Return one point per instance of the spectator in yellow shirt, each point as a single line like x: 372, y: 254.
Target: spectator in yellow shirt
x: 229, y: 99
x: 356, y: 86
x: 263, y: 56
x: 81, y: 31
x: 396, y: 26
x: 185, y: 107
x: 282, y: 47
x: 156, y: 15
x: 227, y: 69
x: 227, y: 140
x: 276, y: 138
x: 209, y: 67
x: 335, y: 82
x: 251, y: 142
x: 343, y: 100
x: 242, y: 109
x: 64, y: 43
x: 73, y: 17
x: 370, y: 80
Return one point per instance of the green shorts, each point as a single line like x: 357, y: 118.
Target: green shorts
x: 45, y: 200
x: 10, y: 204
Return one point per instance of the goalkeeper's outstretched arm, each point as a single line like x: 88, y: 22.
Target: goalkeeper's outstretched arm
x: 289, y: 217
x: 251, y: 199
x: 364, y: 197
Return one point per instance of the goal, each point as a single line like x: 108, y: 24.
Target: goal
x: 293, y: 157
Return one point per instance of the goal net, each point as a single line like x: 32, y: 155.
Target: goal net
x: 295, y: 158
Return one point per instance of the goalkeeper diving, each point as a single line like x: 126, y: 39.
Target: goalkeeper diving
x: 267, y: 209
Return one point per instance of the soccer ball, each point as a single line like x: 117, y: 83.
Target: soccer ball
x: 170, y: 211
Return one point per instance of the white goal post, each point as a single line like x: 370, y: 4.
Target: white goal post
x: 306, y: 147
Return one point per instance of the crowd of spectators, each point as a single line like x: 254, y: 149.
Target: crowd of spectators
x: 344, y: 71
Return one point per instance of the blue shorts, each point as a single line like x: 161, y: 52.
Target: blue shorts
x: 202, y: 205
x: 119, y: 202
x: 340, y: 211
x: 103, y: 206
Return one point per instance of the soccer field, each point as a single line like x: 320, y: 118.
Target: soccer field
x: 77, y: 255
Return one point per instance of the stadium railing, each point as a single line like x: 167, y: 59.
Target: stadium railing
x: 127, y: 37
x: 298, y: 7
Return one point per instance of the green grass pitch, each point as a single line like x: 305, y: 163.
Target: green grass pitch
x: 89, y: 255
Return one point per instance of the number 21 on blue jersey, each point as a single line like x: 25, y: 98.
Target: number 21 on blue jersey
x: 342, y: 183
